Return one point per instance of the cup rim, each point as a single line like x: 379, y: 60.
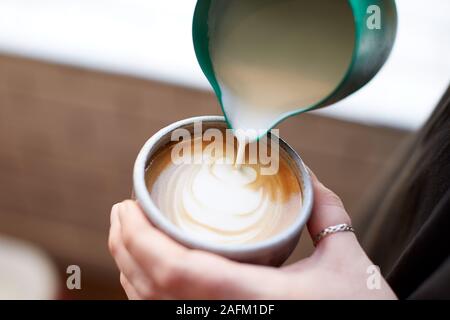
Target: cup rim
x: 158, y: 218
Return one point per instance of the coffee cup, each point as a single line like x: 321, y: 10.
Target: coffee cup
x: 273, y: 250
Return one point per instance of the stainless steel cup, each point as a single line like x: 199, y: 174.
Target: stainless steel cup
x: 273, y: 251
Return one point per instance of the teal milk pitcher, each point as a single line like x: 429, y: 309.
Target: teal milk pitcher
x: 270, y: 59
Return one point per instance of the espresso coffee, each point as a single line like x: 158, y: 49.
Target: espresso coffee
x: 217, y: 202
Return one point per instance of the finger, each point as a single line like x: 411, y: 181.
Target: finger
x: 175, y: 270
x: 150, y: 248
x: 130, y: 291
x: 125, y: 262
x: 203, y: 275
x: 327, y: 211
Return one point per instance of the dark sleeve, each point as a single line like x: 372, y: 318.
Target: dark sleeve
x: 423, y: 268
x: 406, y: 230
x: 436, y: 286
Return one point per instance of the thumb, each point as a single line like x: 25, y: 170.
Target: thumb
x: 328, y: 210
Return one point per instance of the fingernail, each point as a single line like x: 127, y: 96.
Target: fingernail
x: 114, y: 211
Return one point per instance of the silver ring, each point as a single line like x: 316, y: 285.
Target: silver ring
x: 343, y: 227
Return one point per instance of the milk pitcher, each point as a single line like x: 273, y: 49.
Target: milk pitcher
x: 307, y: 54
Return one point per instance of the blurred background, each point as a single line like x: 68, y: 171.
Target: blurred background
x: 84, y: 83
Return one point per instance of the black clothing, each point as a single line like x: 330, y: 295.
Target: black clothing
x: 408, y: 223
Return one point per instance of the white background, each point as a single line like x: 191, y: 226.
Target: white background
x: 152, y: 39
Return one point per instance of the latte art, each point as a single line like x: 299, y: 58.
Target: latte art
x: 217, y: 202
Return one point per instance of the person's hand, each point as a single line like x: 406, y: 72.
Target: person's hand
x: 153, y: 266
